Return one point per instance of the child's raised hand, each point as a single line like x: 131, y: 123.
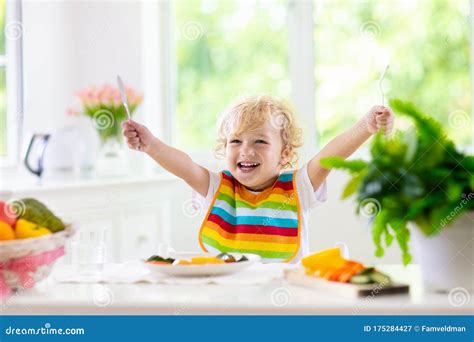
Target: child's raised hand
x: 379, y: 118
x: 138, y: 137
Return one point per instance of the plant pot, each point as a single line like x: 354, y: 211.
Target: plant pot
x: 112, y: 160
x: 446, y: 260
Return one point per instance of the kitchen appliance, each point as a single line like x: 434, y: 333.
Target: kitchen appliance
x: 67, y: 153
x: 35, y: 153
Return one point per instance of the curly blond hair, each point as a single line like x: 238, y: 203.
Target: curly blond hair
x: 252, y: 112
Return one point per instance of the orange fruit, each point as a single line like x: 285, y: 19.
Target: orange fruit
x: 6, y: 231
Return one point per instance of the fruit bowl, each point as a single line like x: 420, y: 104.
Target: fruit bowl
x: 24, y: 262
x: 28, y: 249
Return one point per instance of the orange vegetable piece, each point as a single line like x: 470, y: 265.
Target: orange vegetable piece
x: 330, y: 265
x: 184, y: 262
x: 206, y: 260
x: 321, y: 257
x: 347, y: 275
x: 337, y: 273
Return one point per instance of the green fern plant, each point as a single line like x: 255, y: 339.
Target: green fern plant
x: 415, y: 176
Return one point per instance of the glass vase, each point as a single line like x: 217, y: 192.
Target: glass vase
x: 111, y: 160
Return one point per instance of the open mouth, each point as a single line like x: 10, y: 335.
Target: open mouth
x: 247, y: 166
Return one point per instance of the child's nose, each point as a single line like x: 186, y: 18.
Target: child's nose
x: 247, y: 150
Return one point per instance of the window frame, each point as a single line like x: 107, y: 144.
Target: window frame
x: 300, y: 32
x: 13, y: 59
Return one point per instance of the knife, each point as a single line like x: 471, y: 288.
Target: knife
x: 123, y: 96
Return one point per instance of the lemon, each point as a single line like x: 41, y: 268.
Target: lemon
x: 25, y: 229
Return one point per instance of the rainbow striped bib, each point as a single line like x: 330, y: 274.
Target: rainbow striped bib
x: 267, y: 223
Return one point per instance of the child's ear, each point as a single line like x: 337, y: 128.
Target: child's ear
x: 285, y: 156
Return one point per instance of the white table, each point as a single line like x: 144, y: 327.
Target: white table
x: 274, y: 298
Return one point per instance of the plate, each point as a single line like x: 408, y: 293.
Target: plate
x: 202, y: 270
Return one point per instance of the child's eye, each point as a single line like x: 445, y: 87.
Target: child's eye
x: 260, y: 141
x: 235, y: 141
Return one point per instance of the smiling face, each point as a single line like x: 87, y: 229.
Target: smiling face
x: 256, y: 157
x: 258, y: 136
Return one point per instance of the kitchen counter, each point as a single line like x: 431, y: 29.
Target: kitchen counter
x: 273, y: 298
x: 29, y: 184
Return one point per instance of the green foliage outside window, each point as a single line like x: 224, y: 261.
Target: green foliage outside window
x: 426, y: 44
x: 228, y: 48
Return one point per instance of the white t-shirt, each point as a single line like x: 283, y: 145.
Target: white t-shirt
x: 308, y: 198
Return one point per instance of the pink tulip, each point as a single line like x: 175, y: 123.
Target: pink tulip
x: 117, y: 99
x: 107, y: 96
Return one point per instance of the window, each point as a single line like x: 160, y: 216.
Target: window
x: 11, y: 98
x: 225, y: 49
x: 426, y: 44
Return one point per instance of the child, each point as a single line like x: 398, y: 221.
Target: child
x: 253, y: 206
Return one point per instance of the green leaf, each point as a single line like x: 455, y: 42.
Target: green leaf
x: 352, y: 186
x: 378, y: 146
x: 430, y: 128
x: 418, y: 206
x: 379, y: 252
x: 454, y: 191
x: 423, y: 223
x: 412, y: 186
x: 468, y: 163
x: 378, y: 228
x: 402, y: 235
x: 438, y: 173
x: 388, y: 238
x: 159, y: 258
x: 406, y: 257
x: 429, y: 155
x: 412, y: 145
x: 339, y: 163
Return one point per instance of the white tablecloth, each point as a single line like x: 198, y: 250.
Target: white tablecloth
x: 135, y: 272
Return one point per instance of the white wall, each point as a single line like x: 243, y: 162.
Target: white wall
x: 336, y: 221
x: 70, y: 45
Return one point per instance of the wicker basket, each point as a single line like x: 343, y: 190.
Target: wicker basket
x: 24, y: 262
